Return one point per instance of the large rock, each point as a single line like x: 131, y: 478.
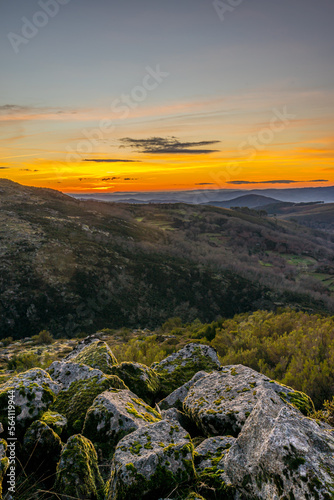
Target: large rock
x: 55, y: 421
x: 74, y: 400
x: 221, y: 402
x: 177, y: 397
x: 140, y: 379
x: 67, y: 372
x: 42, y: 449
x: 4, y: 462
x: 113, y: 415
x: 209, y: 464
x: 180, y: 367
x: 281, y: 454
x: 151, y: 462
x: 78, y: 474
x: 95, y: 353
x: 211, y: 452
x: 33, y: 392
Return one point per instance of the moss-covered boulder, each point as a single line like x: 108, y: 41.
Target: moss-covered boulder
x: 113, y: 415
x: 74, y: 401
x: 140, y: 379
x: 176, y: 398
x: 32, y: 393
x: 42, y: 448
x: 97, y: 354
x: 221, y: 402
x: 67, y: 372
x: 4, y: 462
x: 78, y: 474
x: 180, y: 367
x: 55, y: 421
x: 281, y: 454
x: 151, y: 462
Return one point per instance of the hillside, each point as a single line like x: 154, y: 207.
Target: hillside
x: 314, y: 215
x: 250, y: 201
x: 69, y: 265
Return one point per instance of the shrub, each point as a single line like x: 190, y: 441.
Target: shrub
x: 44, y: 337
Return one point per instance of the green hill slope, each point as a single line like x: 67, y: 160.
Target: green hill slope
x: 69, y: 265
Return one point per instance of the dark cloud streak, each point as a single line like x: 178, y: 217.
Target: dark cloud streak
x: 168, y: 145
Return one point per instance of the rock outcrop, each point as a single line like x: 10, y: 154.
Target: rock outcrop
x: 281, y: 454
x: 33, y: 392
x: 253, y: 437
x: 221, y: 402
x: 42, y: 448
x: 151, y: 461
x: 94, y: 353
x: 180, y: 367
x: 78, y: 475
x: 140, y: 379
x: 113, y: 415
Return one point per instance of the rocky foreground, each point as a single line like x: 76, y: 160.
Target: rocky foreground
x: 90, y: 428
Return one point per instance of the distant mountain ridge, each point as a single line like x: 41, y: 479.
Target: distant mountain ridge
x: 249, y: 200
x: 202, y: 196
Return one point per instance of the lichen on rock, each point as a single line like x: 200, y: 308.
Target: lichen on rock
x: 151, y: 462
x: 281, y: 454
x: 113, y: 415
x: 180, y: 367
x: 221, y: 402
x: 78, y: 474
x: 140, y: 379
x: 96, y: 354
x: 33, y: 393
x: 74, y: 401
x: 42, y: 448
x: 56, y: 421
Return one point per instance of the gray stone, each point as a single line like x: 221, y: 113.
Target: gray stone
x: 211, y: 452
x: 113, y: 415
x: 65, y: 373
x: 42, y: 448
x: 140, y: 379
x: 281, y: 454
x: 176, y: 398
x: 33, y: 392
x: 78, y: 474
x: 221, y: 402
x: 180, y: 367
x: 94, y: 353
x: 151, y: 461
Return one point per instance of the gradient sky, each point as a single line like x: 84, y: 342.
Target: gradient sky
x: 245, y: 97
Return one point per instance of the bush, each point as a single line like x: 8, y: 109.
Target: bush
x: 44, y: 337
x: 7, y: 341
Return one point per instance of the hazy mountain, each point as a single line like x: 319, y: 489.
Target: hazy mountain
x: 249, y: 200
x: 295, y: 195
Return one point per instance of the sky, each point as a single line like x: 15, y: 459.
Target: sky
x: 110, y: 96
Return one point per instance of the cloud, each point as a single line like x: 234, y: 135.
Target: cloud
x: 204, y: 184
x: 320, y: 180
x: 4, y: 168
x: 168, y: 145
x: 28, y: 170
x: 111, y: 160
